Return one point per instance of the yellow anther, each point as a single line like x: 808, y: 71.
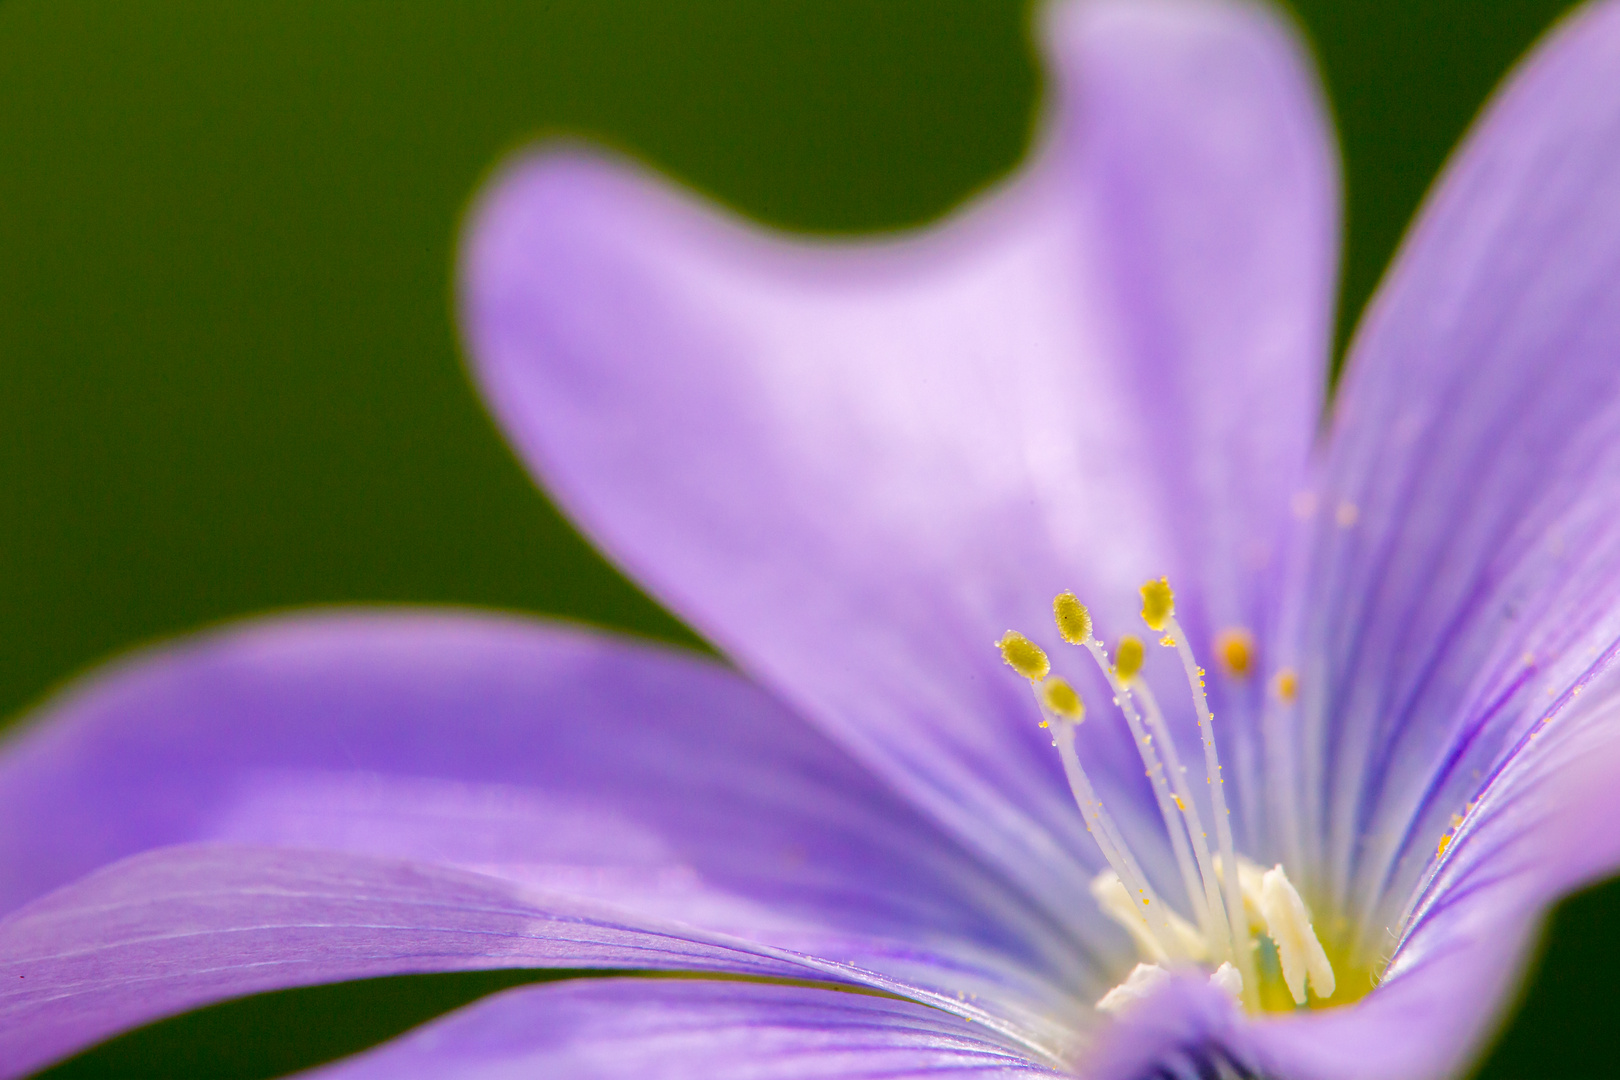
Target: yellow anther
x: 1024, y: 656
x: 1234, y: 647
x: 1073, y: 620
x: 1286, y: 685
x: 1158, y: 604
x: 1061, y: 698
x: 1128, y: 656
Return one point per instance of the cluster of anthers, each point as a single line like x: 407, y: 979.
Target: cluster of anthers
x: 1230, y: 911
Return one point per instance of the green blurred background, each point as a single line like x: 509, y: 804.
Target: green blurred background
x: 229, y: 377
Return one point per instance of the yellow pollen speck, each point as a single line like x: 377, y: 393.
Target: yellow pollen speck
x: 1286, y: 685
x: 1234, y: 648
x: 1061, y: 698
x: 1179, y: 804
x: 1167, y: 641
x: 1158, y: 603
x: 1073, y: 620
x: 1024, y: 656
x: 1445, y: 842
x: 1128, y: 657
x: 1456, y: 820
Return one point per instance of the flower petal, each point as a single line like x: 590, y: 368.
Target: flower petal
x: 854, y: 465
x: 179, y: 927
x: 660, y: 783
x: 1211, y: 182
x: 1464, y: 575
x: 1544, y: 829
x: 667, y: 1030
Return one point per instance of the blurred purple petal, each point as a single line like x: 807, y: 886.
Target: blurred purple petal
x: 688, y: 1030
x: 574, y: 762
x: 855, y: 465
x: 1202, y: 154
x: 1465, y: 572
x: 180, y: 927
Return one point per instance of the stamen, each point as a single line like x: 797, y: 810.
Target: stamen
x: 1168, y: 806
x: 1027, y: 658
x: 1299, y: 951
x: 1073, y: 620
x: 1024, y: 656
x: 1114, y: 849
x: 1138, y: 986
x: 1158, y: 604
x: 1251, y: 877
x: 1286, y: 685
x: 1062, y: 699
x: 1128, y: 657
x: 1218, y: 925
x: 1159, y: 612
x: 1115, y: 901
x: 1232, y: 898
x: 1234, y: 648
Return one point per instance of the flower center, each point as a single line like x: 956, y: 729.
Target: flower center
x: 1249, y: 930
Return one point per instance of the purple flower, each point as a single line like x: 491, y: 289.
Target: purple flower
x: 854, y: 467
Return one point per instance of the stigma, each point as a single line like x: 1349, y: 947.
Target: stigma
x: 1243, y: 927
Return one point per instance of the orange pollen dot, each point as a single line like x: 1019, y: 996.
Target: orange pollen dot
x: 1286, y: 685
x: 1234, y: 648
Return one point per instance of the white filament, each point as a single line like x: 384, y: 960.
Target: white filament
x: 1217, y: 794
x: 1199, y: 893
x: 1289, y: 925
